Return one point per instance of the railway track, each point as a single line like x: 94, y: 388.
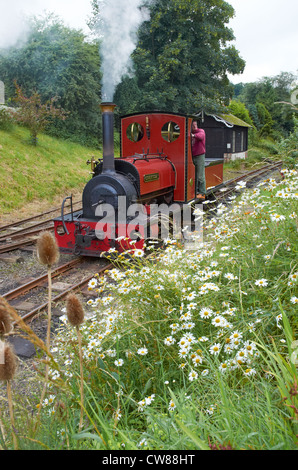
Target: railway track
x: 225, y: 189
x: 14, y: 238
x: 21, y: 297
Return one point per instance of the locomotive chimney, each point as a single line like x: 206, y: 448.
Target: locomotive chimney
x: 107, y: 110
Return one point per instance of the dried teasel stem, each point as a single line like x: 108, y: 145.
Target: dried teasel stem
x: 5, y: 317
x: 47, y: 254
x: 75, y: 315
x: 8, y: 367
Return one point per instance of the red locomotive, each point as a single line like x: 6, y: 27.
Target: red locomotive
x: 155, y: 167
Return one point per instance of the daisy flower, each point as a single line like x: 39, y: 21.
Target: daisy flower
x: 193, y: 375
x: 172, y: 406
x: 294, y: 300
x: 169, y: 340
x: 218, y: 321
x: 215, y: 349
x: 206, y: 313
x: 250, y: 371
x: 197, y: 360
x: 142, y: 351
x: 230, y: 276
x: 92, y: 283
x: 119, y: 362
x: 223, y: 367
x: 261, y: 282
x: 138, y: 253
x: 277, y: 217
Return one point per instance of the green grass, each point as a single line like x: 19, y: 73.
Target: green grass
x: 38, y: 173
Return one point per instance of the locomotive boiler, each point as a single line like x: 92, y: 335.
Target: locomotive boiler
x: 155, y: 167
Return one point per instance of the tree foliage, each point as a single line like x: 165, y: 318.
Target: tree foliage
x: 58, y: 61
x: 267, y: 103
x: 183, y: 57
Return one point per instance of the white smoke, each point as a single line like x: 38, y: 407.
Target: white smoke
x: 117, y: 27
x: 13, y: 23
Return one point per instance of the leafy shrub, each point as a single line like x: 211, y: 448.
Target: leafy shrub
x: 6, y: 123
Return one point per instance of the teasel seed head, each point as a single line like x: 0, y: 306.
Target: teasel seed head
x: 47, y: 249
x: 74, y: 310
x: 5, y: 317
x: 8, y: 365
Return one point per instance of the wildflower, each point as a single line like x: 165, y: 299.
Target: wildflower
x: 92, y: 283
x: 138, y: 253
x: 142, y: 351
x: 236, y: 335
x: 117, y: 414
x: 294, y: 277
x: 203, y: 339
x: 277, y: 217
x: 230, y: 276
x: 250, y: 371
x: 205, y: 372
x: 206, y: 313
x: 197, y: 360
x: 172, y: 405
x: 169, y: 340
x: 193, y: 375
x: 261, y: 282
x: 119, y: 362
x: 278, y: 319
x: 215, y: 349
x: 223, y: 367
x: 142, y: 443
x: 294, y: 299
x: 149, y: 399
x: 183, y: 352
x: 188, y: 326
x: 218, y: 321
x: 111, y: 352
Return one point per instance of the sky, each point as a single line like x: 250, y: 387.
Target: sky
x: 266, y: 33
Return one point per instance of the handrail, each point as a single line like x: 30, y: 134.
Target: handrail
x: 62, y: 212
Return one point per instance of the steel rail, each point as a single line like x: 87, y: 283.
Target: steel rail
x: 246, y: 176
x: 40, y: 280
x: 27, y: 231
x: 20, y: 222
x: 16, y: 246
x: 63, y: 294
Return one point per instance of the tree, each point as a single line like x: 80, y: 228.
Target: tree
x: 58, y: 61
x: 33, y: 114
x: 182, y: 57
x: 267, y: 100
x: 239, y: 109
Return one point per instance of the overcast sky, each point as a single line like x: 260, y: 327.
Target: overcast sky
x: 266, y: 30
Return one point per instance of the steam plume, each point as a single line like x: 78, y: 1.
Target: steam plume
x: 118, y: 24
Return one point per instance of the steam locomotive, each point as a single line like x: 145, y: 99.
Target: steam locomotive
x: 155, y: 168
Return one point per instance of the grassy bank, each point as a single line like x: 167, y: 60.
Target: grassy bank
x: 39, y: 173
x: 190, y: 349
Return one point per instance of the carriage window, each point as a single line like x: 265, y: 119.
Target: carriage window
x: 135, y: 132
x: 170, y: 131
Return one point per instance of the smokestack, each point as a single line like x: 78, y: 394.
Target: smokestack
x: 107, y: 110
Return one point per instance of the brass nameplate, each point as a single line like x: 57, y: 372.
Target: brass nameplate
x: 151, y: 177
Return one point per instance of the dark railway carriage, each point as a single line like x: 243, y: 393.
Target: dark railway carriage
x: 155, y: 167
